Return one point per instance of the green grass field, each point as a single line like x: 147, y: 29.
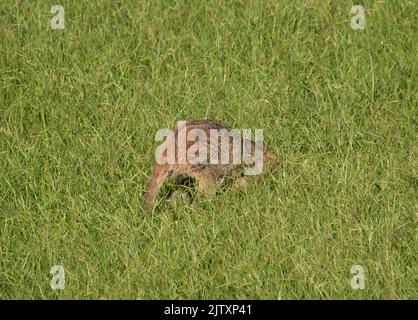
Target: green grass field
x: 79, y: 109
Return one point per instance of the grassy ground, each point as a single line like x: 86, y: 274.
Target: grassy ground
x: 79, y: 109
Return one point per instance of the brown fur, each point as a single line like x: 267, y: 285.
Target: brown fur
x: 207, y: 176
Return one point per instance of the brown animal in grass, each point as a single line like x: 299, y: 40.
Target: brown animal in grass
x: 207, y: 176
